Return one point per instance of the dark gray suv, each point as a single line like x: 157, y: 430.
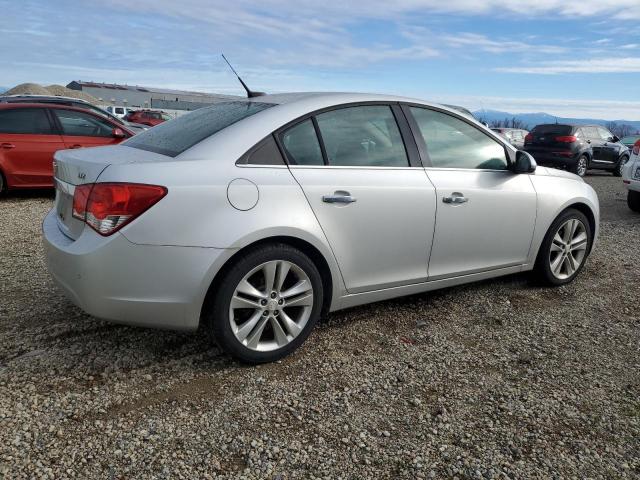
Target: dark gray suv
x: 576, y: 148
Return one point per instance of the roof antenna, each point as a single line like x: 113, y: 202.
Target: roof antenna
x: 250, y: 93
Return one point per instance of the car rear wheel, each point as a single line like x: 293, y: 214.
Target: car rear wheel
x: 564, y: 249
x: 267, y: 304
x: 2, y: 184
x: 581, y: 165
x: 618, y: 170
x: 633, y: 200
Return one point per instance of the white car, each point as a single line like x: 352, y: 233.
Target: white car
x: 631, y: 178
x: 119, y: 112
x: 253, y: 218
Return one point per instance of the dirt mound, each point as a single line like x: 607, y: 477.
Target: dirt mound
x: 57, y: 90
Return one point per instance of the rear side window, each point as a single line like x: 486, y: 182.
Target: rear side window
x: 301, y: 144
x: 453, y: 143
x: 173, y: 138
x: 32, y: 121
x: 364, y: 136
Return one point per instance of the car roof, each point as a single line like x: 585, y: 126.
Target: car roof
x: 49, y: 98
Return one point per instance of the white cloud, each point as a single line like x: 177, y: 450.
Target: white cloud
x: 595, y: 65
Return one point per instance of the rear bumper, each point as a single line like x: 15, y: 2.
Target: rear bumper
x: 551, y: 159
x: 116, y: 280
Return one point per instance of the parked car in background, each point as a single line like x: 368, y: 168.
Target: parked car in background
x: 304, y: 204
x: 72, y: 102
x: 30, y: 133
x: 148, y: 117
x: 576, y: 148
x: 629, y: 141
x: 631, y: 177
x: 514, y: 135
x: 119, y: 112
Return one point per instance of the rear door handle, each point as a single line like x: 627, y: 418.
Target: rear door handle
x: 338, y: 197
x: 7, y: 145
x: 455, y: 198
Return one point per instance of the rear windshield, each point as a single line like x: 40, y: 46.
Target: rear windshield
x: 553, y: 129
x: 174, y: 137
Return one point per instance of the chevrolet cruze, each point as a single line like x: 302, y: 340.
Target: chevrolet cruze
x: 254, y: 218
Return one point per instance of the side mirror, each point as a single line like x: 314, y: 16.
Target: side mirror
x: 118, y: 133
x: 525, y: 163
x: 615, y: 139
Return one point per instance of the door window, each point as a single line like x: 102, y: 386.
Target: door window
x: 32, y: 121
x: 605, y: 134
x: 591, y: 132
x: 453, y: 143
x: 363, y: 136
x: 83, y: 124
x: 301, y: 144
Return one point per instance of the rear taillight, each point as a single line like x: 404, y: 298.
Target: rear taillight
x: 528, y: 138
x: 107, y: 207
x: 566, y: 139
x: 636, y: 148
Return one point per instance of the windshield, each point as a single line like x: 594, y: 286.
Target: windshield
x: 175, y: 136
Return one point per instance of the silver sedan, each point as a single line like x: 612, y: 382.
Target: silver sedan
x: 255, y: 218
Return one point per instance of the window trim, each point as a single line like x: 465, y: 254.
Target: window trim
x: 413, y: 158
x: 509, y: 150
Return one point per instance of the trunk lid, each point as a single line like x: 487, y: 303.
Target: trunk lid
x: 80, y: 166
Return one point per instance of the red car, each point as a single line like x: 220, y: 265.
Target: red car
x: 147, y: 117
x: 30, y: 133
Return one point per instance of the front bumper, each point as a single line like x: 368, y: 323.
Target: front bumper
x: 116, y: 280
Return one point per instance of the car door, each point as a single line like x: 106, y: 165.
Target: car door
x: 485, y: 214
x: 83, y: 129
x: 27, y: 144
x: 595, y: 141
x: 368, y: 191
x: 609, y: 147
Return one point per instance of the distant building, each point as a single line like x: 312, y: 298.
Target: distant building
x: 148, y: 97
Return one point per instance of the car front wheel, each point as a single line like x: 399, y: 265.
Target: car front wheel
x: 267, y: 304
x: 620, y: 167
x: 564, y: 249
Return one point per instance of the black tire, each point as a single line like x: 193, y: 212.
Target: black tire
x: 542, y: 268
x: 633, y: 200
x: 618, y: 170
x: 219, y: 322
x: 581, y: 166
x: 3, y: 184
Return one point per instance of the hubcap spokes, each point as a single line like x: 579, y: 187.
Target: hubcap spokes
x: 568, y: 249
x: 271, y: 305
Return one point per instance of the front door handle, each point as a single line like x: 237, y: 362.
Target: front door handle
x: 7, y: 145
x: 455, y: 198
x: 338, y: 197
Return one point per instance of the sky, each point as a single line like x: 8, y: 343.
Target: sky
x: 570, y: 58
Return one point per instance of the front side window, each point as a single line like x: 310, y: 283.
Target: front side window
x: 453, y: 143
x: 32, y: 121
x: 83, y: 124
x: 362, y: 136
x: 605, y: 134
x: 301, y: 144
x: 173, y: 138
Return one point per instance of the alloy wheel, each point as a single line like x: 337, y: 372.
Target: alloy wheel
x: 271, y: 305
x: 581, y: 169
x: 568, y: 249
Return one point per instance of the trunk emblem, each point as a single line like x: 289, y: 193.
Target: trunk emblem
x: 82, y: 175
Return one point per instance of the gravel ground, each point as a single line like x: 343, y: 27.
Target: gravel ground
x: 492, y: 380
